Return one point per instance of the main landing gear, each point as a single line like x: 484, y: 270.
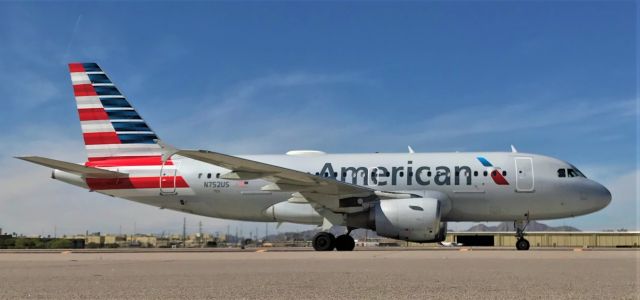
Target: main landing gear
x: 522, y: 243
x: 325, y: 241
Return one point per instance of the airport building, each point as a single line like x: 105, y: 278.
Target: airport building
x: 628, y: 239
x: 550, y: 239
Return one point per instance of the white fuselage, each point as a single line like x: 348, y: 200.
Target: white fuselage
x: 530, y: 188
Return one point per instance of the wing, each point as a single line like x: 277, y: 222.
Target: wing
x: 87, y: 172
x: 326, y: 193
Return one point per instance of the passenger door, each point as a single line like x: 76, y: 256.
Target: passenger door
x: 524, y: 174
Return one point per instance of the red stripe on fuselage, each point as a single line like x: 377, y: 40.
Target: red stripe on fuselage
x: 84, y: 90
x: 76, y: 67
x: 498, y: 178
x: 126, y: 161
x: 100, y: 138
x: 135, y: 183
x: 92, y: 114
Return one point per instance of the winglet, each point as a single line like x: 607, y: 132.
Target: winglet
x: 410, y: 149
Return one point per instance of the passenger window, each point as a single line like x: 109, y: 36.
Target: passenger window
x: 475, y: 173
x: 429, y: 174
x: 401, y: 174
x: 504, y: 173
x: 335, y: 174
x: 561, y: 173
x: 344, y: 174
x: 208, y: 175
x: 317, y: 173
x: 199, y: 175
x: 485, y: 173
x: 217, y: 175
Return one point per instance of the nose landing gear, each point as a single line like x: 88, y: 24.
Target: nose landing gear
x: 522, y: 243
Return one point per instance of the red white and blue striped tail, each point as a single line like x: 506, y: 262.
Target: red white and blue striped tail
x: 111, y: 127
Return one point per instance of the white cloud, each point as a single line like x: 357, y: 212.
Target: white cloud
x: 259, y: 116
x: 624, y: 210
x: 516, y: 117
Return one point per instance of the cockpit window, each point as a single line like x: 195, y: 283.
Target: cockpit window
x: 575, y: 173
x: 571, y: 172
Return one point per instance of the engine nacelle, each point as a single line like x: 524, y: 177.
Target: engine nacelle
x: 412, y: 219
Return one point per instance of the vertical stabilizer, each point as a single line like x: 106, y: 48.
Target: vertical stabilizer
x: 111, y: 127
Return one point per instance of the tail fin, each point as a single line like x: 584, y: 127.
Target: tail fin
x: 111, y: 127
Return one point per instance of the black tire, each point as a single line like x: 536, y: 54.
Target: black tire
x: 522, y: 244
x: 345, y: 243
x: 324, y: 241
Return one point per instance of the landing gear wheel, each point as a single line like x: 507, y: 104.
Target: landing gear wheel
x: 520, y: 226
x: 345, y: 243
x: 324, y: 241
x: 522, y: 244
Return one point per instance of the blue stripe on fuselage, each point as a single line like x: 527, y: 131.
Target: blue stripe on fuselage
x: 484, y: 161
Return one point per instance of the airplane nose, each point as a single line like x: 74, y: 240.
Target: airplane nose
x: 600, y: 195
x: 606, y: 196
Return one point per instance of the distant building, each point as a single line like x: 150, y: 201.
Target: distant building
x: 581, y: 239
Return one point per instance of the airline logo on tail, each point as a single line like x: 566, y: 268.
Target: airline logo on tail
x: 495, y: 172
x: 110, y: 125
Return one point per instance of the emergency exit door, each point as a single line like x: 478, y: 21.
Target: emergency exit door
x: 168, y: 181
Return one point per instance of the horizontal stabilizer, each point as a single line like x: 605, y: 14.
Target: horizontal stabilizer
x: 87, y: 172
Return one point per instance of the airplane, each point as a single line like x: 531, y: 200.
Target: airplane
x: 406, y: 196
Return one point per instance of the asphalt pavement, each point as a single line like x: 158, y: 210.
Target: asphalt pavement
x: 264, y: 274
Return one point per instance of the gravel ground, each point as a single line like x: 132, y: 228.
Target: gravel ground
x: 320, y: 275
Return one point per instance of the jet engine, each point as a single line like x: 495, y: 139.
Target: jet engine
x: 411, y: 219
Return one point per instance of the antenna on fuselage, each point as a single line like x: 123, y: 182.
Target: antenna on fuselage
x: 513, y: 149
x: 410, y: 149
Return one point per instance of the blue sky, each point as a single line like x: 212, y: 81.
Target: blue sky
x: 552, y: 77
